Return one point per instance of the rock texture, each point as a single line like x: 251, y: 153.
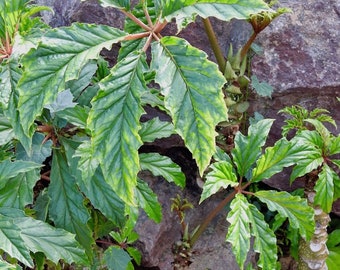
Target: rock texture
x: 301, y: 60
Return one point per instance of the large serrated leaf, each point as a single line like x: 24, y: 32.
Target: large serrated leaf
x: 11, y: 241
x: 221, y: 176
x: 324, y: 188
x: 18, y: 191
x: 264, y: 241
x: 185, y: 11
x: 248, y: 148
x: 239, y: 230
x: 282, y: 154
x: 155, y: 129
x: 103, y: 198
x: 296, y: 209
x: 39, y: 236
x: 6, y: 130
x: 9, y: 77
x: 148, y: 201
x: 114, y: 122
x: 192, y: 86
x: 66, y: 208
x: 9, y: 169
x: 163, y: 166
x: 59, y: 58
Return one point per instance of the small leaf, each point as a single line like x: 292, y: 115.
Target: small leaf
x: 155, y: 129
x: 264, y: 241
x: 191, y: 85
x: 324, y: 189
x: 7, y: 266
x: 248, y: 148
x: 116, y: 258
x: 163, y: 166
x: 76, y: 116
x: 148, y: 201
x: 263, y: 89
x: 296, y: 209
x: 221, y: 176
x: 239, y: 229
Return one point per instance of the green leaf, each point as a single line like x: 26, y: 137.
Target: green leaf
x: 18, y: 191
x: 248, y: 148
x: 87, y: 163
x: 147, y: 200
x: 296, y: 209
x: 114, y: 121
x: 192, y: 87
x: 333, y: 258
x: 324, y: 189
x: 41, y: 205
x: 76, y: 116
x: 9, y: 76
x: 39, y: 151
x: 11, y: 241
x: 264, y: 241
x: 135, y: 254
x: 334, y: 147
x: 103, y: 198
x: 123, y: 4
x: 333, y: 238
x: 221, y: 176
x: 163, y: 166
x: 6, y: 130
x: 66, y: 208
x: 116, y: 258
x: 313, y: 159
x: 7, y: 266
x: 155, y: 129
x: 282, y: 154
x: 263, y: 89
x: 59, y: 58
x: 239, y: 230
x: 185, y: 11
x: 9, y: 169
x: 39, y: 236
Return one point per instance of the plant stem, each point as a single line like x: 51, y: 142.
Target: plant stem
x: 246, y: 47
x: 211, y: 216
x: 136, y: 20
x: 214, y: 44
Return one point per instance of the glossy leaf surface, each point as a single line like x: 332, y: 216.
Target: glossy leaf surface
x: 192, y: 86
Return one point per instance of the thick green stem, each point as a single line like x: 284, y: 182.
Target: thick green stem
x: 214, y: 44
x: 211, y: 216
x: 246, y: 47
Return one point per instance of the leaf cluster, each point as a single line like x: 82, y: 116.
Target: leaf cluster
x: 71, y: 131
